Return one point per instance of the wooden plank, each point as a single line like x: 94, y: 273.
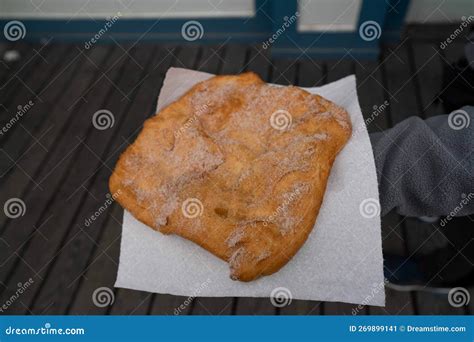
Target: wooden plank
x: 447, y: 261
x: 60, y: 116
x: 428, y: 66
x: 303, y: 307
x: 17, y: 185
x: 94, y: 275
x: 22, y: 70
x: 19, y: 137
x: 311, y: 73
x: 259, y: 62
x: 372, y: 99
x: 397, y: 85
x: 283, y: 72
x: 235, y: 59
x: 401, y: 85
x: 393, y: 243
x: 139, y: 302
x: 165, y: 304
x: 434, y: 32
x: 83, y: 237
x: 60, y: 180
x: 127, y: 301
x: 36, y: 75
x: 471, y: 301
x: 9, y: 68
x: 453, y: 52
x: 425, y: 65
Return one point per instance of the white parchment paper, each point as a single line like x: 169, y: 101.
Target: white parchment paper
x: 340, y: 261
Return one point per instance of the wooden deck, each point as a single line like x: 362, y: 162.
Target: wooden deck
x: 59, y: 164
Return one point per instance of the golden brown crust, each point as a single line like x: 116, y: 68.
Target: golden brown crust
x: 237, y: 166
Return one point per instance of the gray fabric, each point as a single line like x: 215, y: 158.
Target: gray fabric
x: 426, y: 167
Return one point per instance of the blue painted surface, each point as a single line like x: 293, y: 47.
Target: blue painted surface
x: 215, y: 30
x: 394, y: 20
x: 268, y: 20
x: 327, y: 44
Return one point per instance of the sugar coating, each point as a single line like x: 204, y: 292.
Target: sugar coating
x: 247, y: 153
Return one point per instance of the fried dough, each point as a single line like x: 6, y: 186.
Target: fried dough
x: 237, y: 166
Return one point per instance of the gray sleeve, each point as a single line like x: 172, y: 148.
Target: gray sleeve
x: 426, y: 167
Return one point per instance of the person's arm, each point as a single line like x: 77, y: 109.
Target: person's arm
x: 426, y: 167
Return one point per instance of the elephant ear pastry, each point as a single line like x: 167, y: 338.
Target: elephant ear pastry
x: 237, y: 166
